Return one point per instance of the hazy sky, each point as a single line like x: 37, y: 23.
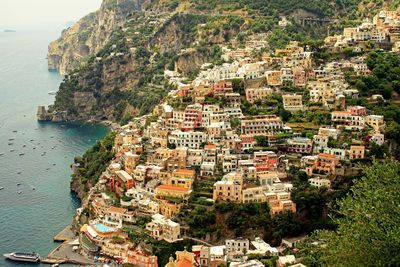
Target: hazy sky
x: 16, y: 12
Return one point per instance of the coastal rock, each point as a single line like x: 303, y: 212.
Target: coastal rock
x: 89, y: 35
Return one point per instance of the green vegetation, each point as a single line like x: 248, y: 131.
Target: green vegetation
x: 368, y: 221
x: 163, y: 250
x: 95, y: 160
x: 385, y: 78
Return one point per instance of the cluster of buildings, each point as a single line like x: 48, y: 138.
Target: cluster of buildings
x: 201, y: 132
x: 383, y: 30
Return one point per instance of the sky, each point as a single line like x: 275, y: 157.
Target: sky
x: 23, y: 12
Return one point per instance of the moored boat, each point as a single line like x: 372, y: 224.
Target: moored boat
x: 21, y: 256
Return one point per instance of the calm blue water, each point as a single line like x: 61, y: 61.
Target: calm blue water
x: 29, y: 220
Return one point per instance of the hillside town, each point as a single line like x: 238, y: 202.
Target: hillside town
x: 234, y: 134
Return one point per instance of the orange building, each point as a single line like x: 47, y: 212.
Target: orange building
x: 140, y: 257
x: 165, y: 191
x: 357, y: 152
x: 324, y: 162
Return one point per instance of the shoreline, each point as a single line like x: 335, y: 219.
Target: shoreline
x: 65, y: 253
x: 113, y: 126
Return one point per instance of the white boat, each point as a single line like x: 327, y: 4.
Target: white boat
x: 33, y: 188
x: 1, y: 188
x: 12, y: 150
x: 26, y: 257
x: 21, y: 153
x: 20, y: 191
x: 1, y: 154
x: 44, y: 153
x: 24, y: 145
x: 52, y: 92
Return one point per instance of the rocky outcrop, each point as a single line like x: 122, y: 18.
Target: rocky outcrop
x: 89, y: 35
x: 191, y: 61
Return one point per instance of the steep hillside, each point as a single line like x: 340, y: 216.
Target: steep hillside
x: 89, y: 34
x: 116, y: 57
x: 126, y: 77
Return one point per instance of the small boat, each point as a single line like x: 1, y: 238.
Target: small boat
x: 15, y: 131
x: 55, y: 265
x: 12, y: 150
x: 34, y: 148
x: 1, y: 154
x: 21, y: 153
x: 44, y: 153
x: 52, y: 92
x: 18, y: 172
x: 19, y: 192
x: 33, y: 188
x: 18, y: 184
x: 21, y: 256
x: 10, y: 144
x: 24, y: 145
x: 54, y: 164
x: 32, y: 140
x: 11, y: 139
x: 1, y: 188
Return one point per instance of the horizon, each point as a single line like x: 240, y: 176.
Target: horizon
x: 44, y: 12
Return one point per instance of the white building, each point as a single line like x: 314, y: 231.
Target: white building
x: 318, y: 182
x: 237, y: 245
x: 187, y: 139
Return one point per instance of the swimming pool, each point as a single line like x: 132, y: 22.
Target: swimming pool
x: 103, y: 228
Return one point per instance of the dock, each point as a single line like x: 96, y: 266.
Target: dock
x: 64, y: 253
x: 65, y: 235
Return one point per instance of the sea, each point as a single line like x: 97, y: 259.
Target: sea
x: 35, y: 202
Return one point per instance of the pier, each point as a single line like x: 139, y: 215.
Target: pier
x: 64, y: 253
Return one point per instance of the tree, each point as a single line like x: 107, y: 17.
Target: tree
x: 368, y: 219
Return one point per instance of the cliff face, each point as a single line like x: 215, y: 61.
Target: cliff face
x: 126, y: 76
x: 89, y: 35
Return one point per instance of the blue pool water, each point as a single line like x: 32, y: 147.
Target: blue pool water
x: 103, y: 228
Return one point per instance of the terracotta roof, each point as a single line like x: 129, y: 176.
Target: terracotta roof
x: 115, y: 209
x: 185, y: 171
x: 326, y: 155
x: 184, y: 263
x: 210, y: 146
x: 357, y: 147
x: 168, y: 187
x: 341, y: 112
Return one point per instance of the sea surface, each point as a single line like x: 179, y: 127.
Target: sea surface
x: 44, y: 205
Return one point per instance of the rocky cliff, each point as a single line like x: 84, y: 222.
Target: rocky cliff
x: 126, y: 77
x: 89, y: 35
x: 115, y: 58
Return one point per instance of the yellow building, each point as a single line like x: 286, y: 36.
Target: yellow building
x: 292, y: 102
x: 179, y: 182
x: 169, y: 208
x: 375, y: 121
x: 253, y: 195
x: 130, y: 162
x: 357, y: 152
x: 274, y: 78
x: 165, y: 191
